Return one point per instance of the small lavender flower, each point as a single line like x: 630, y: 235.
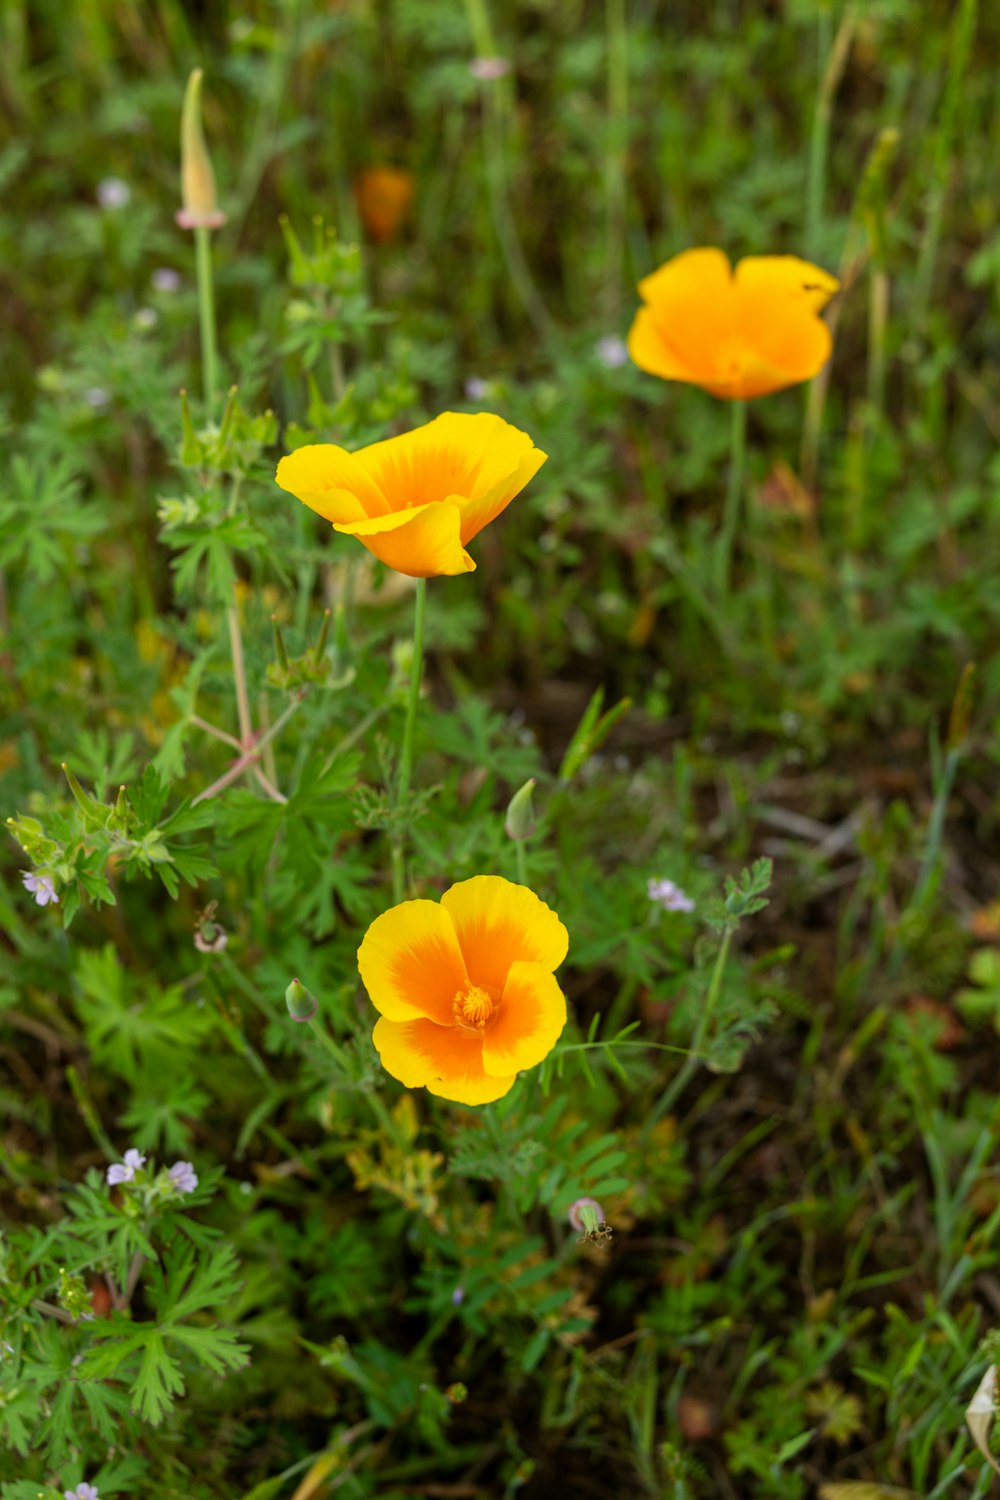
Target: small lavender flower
x: 82, y: 1492
x: 41, y: 888
x: 611, y: 351
x: 96, y: 396
x: 166, y: 279
x: 117, y: 1174
x: 585, y: 1215
x: 113, y: 193
x: 458, y: 1296
x: 664, y: 893
x: 183, y: 1176
x: 476, y: 388
x: 488, y: 68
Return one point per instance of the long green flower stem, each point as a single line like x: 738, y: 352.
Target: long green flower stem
x: 679, y: 1083
x: 206, y: 315
x: 384, y: 1119
x: 406, y: 756
x: 734, y: 495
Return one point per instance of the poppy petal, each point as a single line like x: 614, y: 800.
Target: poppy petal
x: 411, y: 964
x: 445, y: 1060
x: 423, y: 542
x: 499, y: 923
x: 486, y: 504
x: 331, y: 482
x: 769, y: 276
x: 650, y: 350
x: 528, y: 1023
x: 692, y: 300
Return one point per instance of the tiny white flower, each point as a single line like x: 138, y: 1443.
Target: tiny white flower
x: 113, y: 193
x: 668, y: 895
x: 41, y: 888
x: 476, y: 388
x: 611, y: 351
x: 166, y: 279
x: 183, y: 1176
x: 146, y: 318
x: 488, y: 68
x: 96, y: 396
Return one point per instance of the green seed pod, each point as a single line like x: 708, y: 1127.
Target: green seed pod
x: 302, y: 1004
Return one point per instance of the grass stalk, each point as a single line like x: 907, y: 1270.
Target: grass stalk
x: 680, y: 1081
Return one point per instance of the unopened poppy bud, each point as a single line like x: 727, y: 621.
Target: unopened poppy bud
x: 302, y: 1005
x: 520, y: 822
x: 198, y: 195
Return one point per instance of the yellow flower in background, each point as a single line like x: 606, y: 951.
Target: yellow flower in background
x: 417, y: 500
x: 466, y: 988
x: 383, y: 196
x: 737, y: 334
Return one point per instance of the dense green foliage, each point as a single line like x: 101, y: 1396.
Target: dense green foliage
x: 370, y: 1291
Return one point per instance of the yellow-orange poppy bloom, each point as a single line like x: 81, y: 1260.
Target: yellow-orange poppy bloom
x: 737, y: 334
x: 417, y: 500
x: 466, y: 988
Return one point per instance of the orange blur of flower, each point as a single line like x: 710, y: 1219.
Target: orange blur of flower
x: 416, y: 500
x: 466, y: 988
x: 737, y: 334
x: 383, y: 196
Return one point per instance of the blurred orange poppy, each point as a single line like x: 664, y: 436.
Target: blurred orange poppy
x: 466, y: 988
x: 737, y: 334
x: 383, y: 196
x: 416, y: 500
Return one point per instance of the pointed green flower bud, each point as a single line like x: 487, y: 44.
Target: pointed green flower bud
x: 198, y: 194
x: 520, y: 822
x: 279, y: 645
x: 302, y: 1005
x: 191, y: 453
x: 322, y: 638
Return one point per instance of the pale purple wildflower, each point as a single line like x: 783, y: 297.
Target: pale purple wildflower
x: 183, y: 1176
x: 611, y: 351
x: 117, y: 1174
x: 113, y: 193
x: 166, y: 279
x: 96, y: 396
x: 486, y: 69
x: 476, y: 388
x: 576, y: 1214
x: 458, y: 1296
x: 41, y: 888
x: 664, y: 893
x: 82, y: 1492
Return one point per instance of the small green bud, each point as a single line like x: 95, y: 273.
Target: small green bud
x: 520, y: 822
x: 302, y: 1004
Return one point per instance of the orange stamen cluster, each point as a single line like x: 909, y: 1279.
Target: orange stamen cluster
x: 472, y: 1007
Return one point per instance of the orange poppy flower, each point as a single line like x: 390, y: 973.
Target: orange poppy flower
x: 737, y: 334
x: 416, y: 500
x: 466, y: 988
x: 383, y: 196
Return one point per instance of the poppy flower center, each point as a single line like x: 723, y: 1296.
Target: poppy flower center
x: 472, y: 1007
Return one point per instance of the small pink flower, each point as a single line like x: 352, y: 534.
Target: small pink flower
x: 582, y: 1210
x: 41, y: 888
x: 118, y: 1173
x: 664, y: 893
x: 611, y: 351
x: 183, y: 1176
x: 486, y: 69
x: 82, y: 1492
